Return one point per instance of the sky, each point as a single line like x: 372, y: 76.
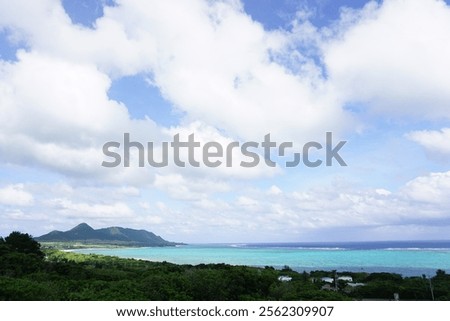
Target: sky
x: 75, y: 75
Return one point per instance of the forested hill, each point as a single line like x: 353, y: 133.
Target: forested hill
x: 83, y: 233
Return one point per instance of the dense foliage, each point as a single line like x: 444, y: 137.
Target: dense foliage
x: 26, y: 274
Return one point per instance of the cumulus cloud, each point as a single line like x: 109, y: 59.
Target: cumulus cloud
x: 433, y: 188
x: 84, y: 210
x: 193, y: 215
x: 434, y: 141
x: 45, y: 26
x: 181, y: 188
x: 230, y: 167
x: 56, y: 114
x: 393, y: 57
x: 274, y: 190
x: 303, y: 213
x: 212, y: 61
x: 15, y: 195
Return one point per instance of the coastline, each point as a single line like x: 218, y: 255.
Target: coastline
x: 406, y: 262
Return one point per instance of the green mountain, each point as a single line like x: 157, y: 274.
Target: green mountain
x: 85, y: 234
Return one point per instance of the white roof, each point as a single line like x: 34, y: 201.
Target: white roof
x: 327, y: 279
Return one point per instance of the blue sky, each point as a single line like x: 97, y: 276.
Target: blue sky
x: 77, y: 74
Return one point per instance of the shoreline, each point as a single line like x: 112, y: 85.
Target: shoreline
x: 403, y: 271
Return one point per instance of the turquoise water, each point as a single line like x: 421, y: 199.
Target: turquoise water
x: 404, y: 260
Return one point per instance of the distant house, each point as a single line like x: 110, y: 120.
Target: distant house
x: 327, y: 280
x: 284, y: 278
x: 354, y: 285
x: 346, y: 278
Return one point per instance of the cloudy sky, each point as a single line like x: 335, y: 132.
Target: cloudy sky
x: 77, y: 74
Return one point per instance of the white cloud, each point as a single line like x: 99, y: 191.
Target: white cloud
x: 17, y: 215
x: 46, y: 27
x: 181, y: 188
x: 274, y: 190
x: 70, y: 209
x: 212, y: 205
x: 434, y: 141
x: 394, y: 57
x: 57, y: 115
x: 203, y: 134
x: 15, y: 195
x: 229, y: 80
x: 208, y: 58
x: 433, y: 188
x: 383, y: 192
x: 199, y: 212
x: 64, y: 97
x: 247, y: 202
x: 145, y: 205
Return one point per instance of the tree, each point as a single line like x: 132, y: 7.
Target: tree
x: 3, y: 247
x: 440, y: 274
x: 23, y: 243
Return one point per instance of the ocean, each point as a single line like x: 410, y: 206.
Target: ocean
x: 409, y: 258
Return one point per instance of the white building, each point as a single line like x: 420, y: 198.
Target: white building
x: 327, y: 280
x: 284, y: 278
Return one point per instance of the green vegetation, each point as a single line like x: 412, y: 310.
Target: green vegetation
x: 27, y: 274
